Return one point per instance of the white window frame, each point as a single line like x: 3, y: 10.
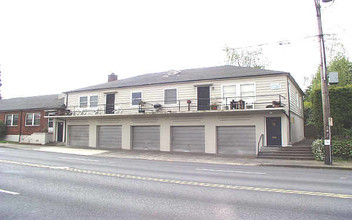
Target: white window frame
x: 91, y: 103
x: 12, y: 125
x: 171, y: 104
x: 50, y: 129
x: 88, y: 102
x: 132, y: 97
x: 222, y: 93
x: 79, y: 101
x: 254, y: 89
x: 249, y: 101
x: 33, y: 119
x: 298, y: 97
x: 239, y: 92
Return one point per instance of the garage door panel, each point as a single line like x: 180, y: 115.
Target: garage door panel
x: 79, y: 135
x: 239, y: 140
x: 146, y: 138
x: 188, y: 139
x: 109, y: 136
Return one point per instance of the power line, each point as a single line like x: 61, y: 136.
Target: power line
x: 280, y: 42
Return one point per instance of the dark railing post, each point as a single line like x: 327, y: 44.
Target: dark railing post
x: 179, y: 105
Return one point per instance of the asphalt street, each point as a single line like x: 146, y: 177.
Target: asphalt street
x: 45, y: 185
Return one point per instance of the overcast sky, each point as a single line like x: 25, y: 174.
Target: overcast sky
x: 49, y: 47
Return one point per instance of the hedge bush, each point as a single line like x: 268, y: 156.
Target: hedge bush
x: 340, y: 148
x: 340, y: 108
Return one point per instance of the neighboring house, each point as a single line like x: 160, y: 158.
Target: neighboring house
x: 216, y: 110
x: 25, y: 118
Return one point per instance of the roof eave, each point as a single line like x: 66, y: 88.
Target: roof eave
x: 183, y: 81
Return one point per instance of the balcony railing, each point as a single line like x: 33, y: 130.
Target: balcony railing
x: 181, y: 105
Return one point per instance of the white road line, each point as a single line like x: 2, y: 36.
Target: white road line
x: 231, y: 171
x: 59, y: 168
x: 9, y: 192
x: 75, y: 158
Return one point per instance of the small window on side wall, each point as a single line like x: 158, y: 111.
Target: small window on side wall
x: 136, y: 98
x: 170, y: 96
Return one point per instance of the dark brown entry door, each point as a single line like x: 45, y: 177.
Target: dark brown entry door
x: 273, y: 130
x: 110, y: 104
x: 60, y: 131
x: 203, y: 95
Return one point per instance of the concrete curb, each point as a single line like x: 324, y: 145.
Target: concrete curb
x: 251, y: 162
x: 307, y: 166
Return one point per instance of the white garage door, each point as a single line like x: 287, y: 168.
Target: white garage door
x: 146, y: 138
x: 237, y: 140
x: 188, y: 139
x: 109, y: 136
x: 78, y: 135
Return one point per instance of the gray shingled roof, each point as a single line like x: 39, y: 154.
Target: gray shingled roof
x: 35, y: 102
x: 218, y: 72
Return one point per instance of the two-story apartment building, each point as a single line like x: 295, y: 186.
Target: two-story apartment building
x: 25, y: 118
x: 216, y: 110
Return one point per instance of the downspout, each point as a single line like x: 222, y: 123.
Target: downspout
x: 64, y: 134
x: 20, y: 134
x: 66, y: 101
x: 289, y: 110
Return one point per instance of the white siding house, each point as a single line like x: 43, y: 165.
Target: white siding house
x: 217, y: 110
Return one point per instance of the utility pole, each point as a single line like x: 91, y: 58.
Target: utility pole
x: 324, y: 88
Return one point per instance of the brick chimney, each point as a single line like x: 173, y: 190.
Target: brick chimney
x: 112, y: 77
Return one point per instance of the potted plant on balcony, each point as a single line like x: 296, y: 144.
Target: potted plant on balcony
x: 214, y: 106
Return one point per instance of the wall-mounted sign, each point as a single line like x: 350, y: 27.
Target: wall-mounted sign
x: 275, y: 86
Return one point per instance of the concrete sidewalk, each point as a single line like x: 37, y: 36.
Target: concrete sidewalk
x: 182, y: 157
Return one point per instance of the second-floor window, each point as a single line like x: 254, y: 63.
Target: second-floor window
x: 170, y: 96
x: 229, y: 93
x: 83, y: 102
x: 136, y: 98
x: 93, y: 101
x: 247, y: 91
x: 11, y: 120
x: 88, y: 101
x: 32, y: 119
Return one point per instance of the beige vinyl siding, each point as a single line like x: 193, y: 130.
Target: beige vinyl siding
x: 73, y: 99
x: 187, y: 91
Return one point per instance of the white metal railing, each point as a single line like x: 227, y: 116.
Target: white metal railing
x: 181, y: 105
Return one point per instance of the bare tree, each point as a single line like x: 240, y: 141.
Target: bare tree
x: 246, y: 57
